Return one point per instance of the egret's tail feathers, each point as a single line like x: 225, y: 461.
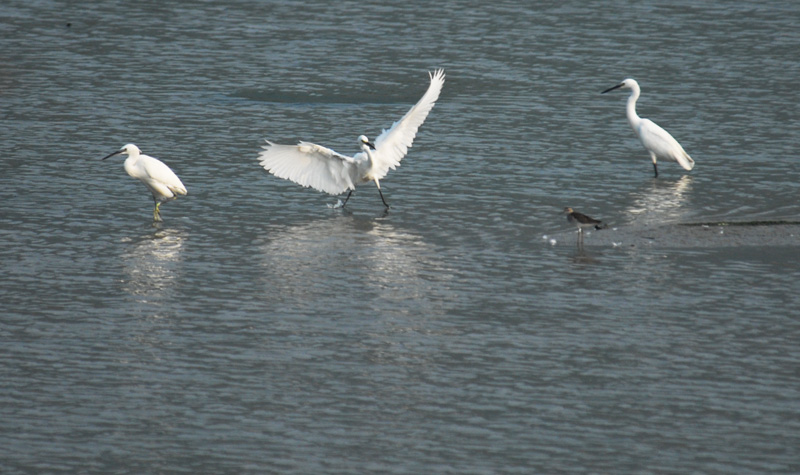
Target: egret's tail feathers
x: 686, y: 161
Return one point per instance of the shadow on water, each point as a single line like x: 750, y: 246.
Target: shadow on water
x: 777, y: 222
x: 661, y: 216
x: 581, y: 256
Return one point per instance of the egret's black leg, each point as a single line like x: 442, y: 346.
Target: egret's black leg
x: 384, y: 201
x: 655, y: 167
x: 348, y: 197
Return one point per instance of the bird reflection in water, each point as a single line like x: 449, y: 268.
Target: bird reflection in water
x: 334, y: 258
x: 151, y: 263
x: 661, y: 202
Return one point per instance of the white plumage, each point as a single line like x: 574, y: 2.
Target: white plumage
x: 325, y: 170
x: 657, y: 141
x: 162, y: 182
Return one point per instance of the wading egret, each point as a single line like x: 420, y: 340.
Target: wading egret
x: 162, y: 182
x: 325, y: 170
x: 581, y: 220
x: 657, y: 141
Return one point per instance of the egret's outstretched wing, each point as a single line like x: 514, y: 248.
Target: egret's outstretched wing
x: 664, y: 145
x: 392, y: 144
x: 311, y: 165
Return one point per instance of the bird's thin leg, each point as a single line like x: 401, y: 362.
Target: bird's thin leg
x: 381, y: 193
x: 348, y: 197
x: 382, y: 199
x: 156, y: 211
x: 655, y: 166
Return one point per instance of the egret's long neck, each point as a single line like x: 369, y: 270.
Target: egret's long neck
x: 368, y: 151
x: 633, y: 117
x: 130, y: 163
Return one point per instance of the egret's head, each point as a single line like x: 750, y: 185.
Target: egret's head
x: 365, y: 142
x: 129, y: 149
x: 568, y: 210
x: 626, y: 84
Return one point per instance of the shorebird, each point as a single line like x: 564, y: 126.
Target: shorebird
x: 581, y: 220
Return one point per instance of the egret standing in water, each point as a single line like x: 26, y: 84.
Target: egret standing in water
x: 325, y: 170
x: 162, y: 182
x: 658, y: 142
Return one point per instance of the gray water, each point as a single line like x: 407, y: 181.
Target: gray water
x: 258, y: 330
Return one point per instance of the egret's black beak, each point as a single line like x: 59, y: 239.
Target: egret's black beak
x: 371, y: 145
x: 112, y: 154
x: 612, y: 88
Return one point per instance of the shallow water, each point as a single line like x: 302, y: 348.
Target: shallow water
x: 464, y: 330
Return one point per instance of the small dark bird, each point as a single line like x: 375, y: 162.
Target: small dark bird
x: 581, y: 220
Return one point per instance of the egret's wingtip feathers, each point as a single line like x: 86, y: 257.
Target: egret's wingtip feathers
x: 436, y: 74
x: 393, y: 143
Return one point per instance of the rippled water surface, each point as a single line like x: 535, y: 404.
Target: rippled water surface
x: 258, y: 330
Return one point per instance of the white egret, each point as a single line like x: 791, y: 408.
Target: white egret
x: 657, y: 141
x: 582, y: 221
x: 325, y: 170
x: 162, y: 182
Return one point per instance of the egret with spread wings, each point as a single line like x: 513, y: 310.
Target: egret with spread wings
x: 657, y: 141
x: 325, y: 170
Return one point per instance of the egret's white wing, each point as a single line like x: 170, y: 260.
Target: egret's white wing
x: 664, y: 145
x: 392, y: 144
x: 311, y: 165
x: 163, y: 175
